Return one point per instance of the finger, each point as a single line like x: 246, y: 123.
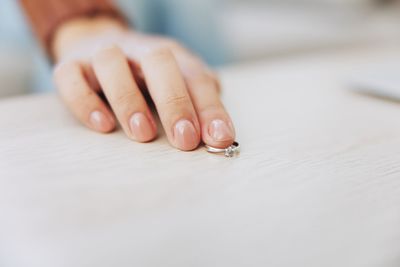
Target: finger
x: 91, y: 77
x: 113, y: 72
x: 84, y: 103
x: 169, y: 93
x: 217, y: 127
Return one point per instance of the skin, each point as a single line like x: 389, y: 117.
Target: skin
x: 97, y: 56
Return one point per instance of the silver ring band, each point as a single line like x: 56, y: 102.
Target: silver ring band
x: 230, y: 151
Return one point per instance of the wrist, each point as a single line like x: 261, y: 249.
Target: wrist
x: 70, y: 33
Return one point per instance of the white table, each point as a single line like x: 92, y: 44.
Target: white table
x: 317, y: 182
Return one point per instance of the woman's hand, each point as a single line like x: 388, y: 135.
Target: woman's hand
x: 100, y: 56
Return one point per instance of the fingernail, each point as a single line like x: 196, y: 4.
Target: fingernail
x: 185, y: 135
x: 141, y: 128
x: 220, y: 131
x: 100, y: 122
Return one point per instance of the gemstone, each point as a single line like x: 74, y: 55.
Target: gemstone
x: 230, y: 151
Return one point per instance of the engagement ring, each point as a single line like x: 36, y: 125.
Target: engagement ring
x: 229, y: 152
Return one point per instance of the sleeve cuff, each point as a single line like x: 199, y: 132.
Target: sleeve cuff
x: 46, y: 16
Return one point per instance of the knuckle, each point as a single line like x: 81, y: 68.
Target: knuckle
x: 214, y: 106
x: 80, y: 98
x: 106, y: 52
x: 211, y: 109
x: 212, y: 76
x: 63, y: 68
x: 171, y: 44
x: 176, y: 100
x: 205, y: 79
x: 124, y: 100
x: 212, y: 79
x: 217, y: 83
x: 158, y: 53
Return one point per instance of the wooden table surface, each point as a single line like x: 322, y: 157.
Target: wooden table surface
x: 317, y: 182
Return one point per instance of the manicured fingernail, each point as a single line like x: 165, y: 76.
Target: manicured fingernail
x: 141, y: 127
x: 220, y: 131
x: 100, y: 122
x: 185, y: 135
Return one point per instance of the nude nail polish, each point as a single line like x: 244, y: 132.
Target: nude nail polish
x: 185, y: 135
x: 220, y: 131
x: 100, y: 122
x: 141, y: 127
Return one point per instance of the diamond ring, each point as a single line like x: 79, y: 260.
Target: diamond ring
x: 229, y: 152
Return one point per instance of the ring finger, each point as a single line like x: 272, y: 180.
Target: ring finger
x: 171, y: 97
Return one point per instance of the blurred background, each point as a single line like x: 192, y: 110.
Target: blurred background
x: 222, y: 31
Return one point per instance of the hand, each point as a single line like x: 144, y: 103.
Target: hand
x: 100, y: 56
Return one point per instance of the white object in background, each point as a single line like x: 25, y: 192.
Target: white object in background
x: 15, y: 70
x: 382, y: 81
x: 264, y: 29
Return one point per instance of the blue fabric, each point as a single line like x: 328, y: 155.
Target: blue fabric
x: 192, y: 22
